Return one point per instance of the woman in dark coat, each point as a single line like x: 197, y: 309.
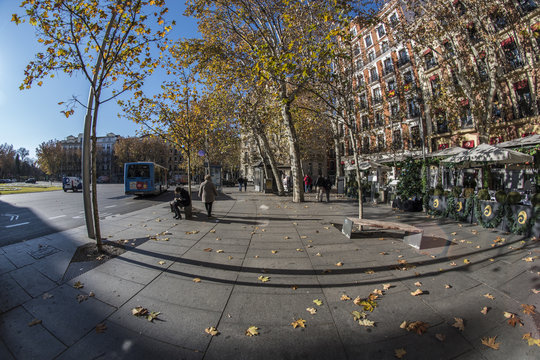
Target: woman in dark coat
x: 208, y: 193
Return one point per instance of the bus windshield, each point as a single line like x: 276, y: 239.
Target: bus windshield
x: 138, y: 170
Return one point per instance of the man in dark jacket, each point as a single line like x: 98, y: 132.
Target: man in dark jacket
x: 181, y: 200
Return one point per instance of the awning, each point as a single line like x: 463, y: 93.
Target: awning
x: 485, y: 154
x: 507, y: 41
x: 530, y: 140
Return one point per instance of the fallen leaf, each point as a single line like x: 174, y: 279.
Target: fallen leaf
x: 453, y: 263
x: 303, y: 237
x: 91, y: 294
x: 153, y: 315
x: 211, y: 330
x: 383, y: 253
x: 192, y: 232
x: 274, y: 251
x: 515, y: 320
x: 161, y: 262
x: 311, y: 310
x: 78, y: 285
x: 299, y: 323
x: 318, y: 254
x: 453, y: 233
x: 369, y: 272
x: 484, y: 310
x: 317, y: 302
x: 294, y: 287
x: 357, y: 300
x: 286, y: 237
x: 81, y: 298
x: 535, y: 291
x: 139, y: 311
x: 489, y: 296
x: 100, y: 328
x: 466, y: 261
x: 358, y: 315
x: 369, y: 305
x: 399, y: 353
x: 417, y: 292
x: 213, y: 230
x: 366, y: 322
x: 490, y: 342
x: 528, y: 259
x: 264, y: 278
x: 34, y: 322
x: 386, y: 286
x: 208, y: 249
x: 440, y: 337
x: 418, y: 327
x: 197, y: 280
x: 339, y: 264
x: 447, y: 286
x: 528, y: 309
x: 220, y: 251
x: 459, y: 324
x: 344, y: 297
x: 252, y: 331
x: 299, y: 250
x: 378, y: 292
x: 418, y: 283
x: 531, y: 341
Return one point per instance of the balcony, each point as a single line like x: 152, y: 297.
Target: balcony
x: 374, y: 78
x: 377, y: 100
x: 431, y: 63
x: 404, y: 61
x: 524, y: 109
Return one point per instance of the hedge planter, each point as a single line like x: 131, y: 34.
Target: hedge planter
x: 520, y: 219
x: 490, y: 214
x: 437, y: 204
x: 463, y: 209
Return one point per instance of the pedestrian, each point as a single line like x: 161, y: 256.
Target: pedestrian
x: 240, y: 183
x: 208, y: 193
x: 181, y: 200
x: 307, y: 183
x: 327, y: 188
x: 320, y: 187
x: 284, y: 181
x: 245, y: 184
x: 289, y: 183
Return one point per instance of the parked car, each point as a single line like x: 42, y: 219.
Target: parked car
x: 71, y: 183
x: 30, y: 181
x: 5, y: 181
x: 102, y: 179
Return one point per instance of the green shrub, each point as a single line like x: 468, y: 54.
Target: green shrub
x: 500, y: 196
x: 431, y: 192
x: 535, y: 200
x: 468, y: 192
x: 483, y: 194
x: 446, y: 193
x: 438, y: 191
x: 513, y: 197
x: 456, y: 191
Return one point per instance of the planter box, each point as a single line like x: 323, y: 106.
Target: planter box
x: 437, y: 203
x: 523, y: 214
x: 460, y: 205
x: 488, y: 211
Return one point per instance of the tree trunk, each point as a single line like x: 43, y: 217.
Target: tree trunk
x: 358, y: 175
x: 273, y: 165
x: 97, y: 228
x: 294, y: 151
x: 335, y: 127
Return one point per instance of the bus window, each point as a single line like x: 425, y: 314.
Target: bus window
x: 139, y: 170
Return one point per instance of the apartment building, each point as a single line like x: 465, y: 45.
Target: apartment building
x: 390, y: 122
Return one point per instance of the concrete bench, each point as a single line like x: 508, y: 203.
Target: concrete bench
x: 413, y: 235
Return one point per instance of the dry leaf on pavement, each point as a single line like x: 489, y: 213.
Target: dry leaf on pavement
x: 490, y: 342
x: 208, y: 249
x: 532, y: 341
x: 528, y: 309
x: 100, y: 328
x: 417, y: 292
x: 264, y: 278
x: 358, y: 315
x: 366, y: 322
x: 317, y: 302
x: 197, y: 280
x: 211, y: 330
x: 418, y: 283
x: 252, y: 331
x: 311, y: 310
x: 219, y: 251
x: 484, y: 310
x: 440, y: 337
x: 299, y: 323
x: 139, y: 311
x: 339, y: 264
x: 344, y: 297
x: 34, y: 322
x: 399, y: 353
x: 386, y: 286
x: 489, y: 296
x: 161, y: 262
x: 459, y: 324
x: 78, y: 285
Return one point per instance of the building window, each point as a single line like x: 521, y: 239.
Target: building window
x: 377, y: 98
x: 396, y: 140
x: 403, y: 57
x: 380, y: 31
x: 362, y: 101
x: 384, y: 47
x: 368, y: 41
x: 511, y: 53
x: 435, y: 86
x: 365, y: 122
x: 371, y: 56
x: 393, y: 20
x: 380, y: 142
x: 429, y: 59
x: 524, y: 99
x: 449, y: 49
x: 414, y: 109
x: 388, y: 67
x: 440, y: 122
x: 498, y: 20
x: 365, y: 145
x: 374, y: 76
x: 416, y: 138
x: 394, y: 109
x: 527, y: 5
x: 466, y: 116
x: 379, y: 119
x: 356, y: 50
x: 408, y: 78
x: 359, y: 64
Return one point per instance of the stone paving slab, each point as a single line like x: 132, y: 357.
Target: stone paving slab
x: 66, y: 317
x: 5, y: 264
x: 131, y: 270
x: 27, y: 342
x: 32, y: 281
x: 118, y: 342
x: 12, y: 293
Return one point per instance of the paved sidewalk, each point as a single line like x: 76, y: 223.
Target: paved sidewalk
x: 262, y: 261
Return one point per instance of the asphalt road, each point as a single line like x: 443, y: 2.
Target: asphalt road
x: 28, y: 216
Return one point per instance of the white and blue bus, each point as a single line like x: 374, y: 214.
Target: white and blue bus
x: 144, y: 178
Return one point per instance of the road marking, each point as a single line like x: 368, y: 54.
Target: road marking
x: 129, y: 203
x: 110, y: 206
x: 56, y: 217
x: 12, y: 216
x: 24, y: 223
x: 77, y: 217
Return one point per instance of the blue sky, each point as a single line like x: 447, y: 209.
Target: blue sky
x: 31, y: 117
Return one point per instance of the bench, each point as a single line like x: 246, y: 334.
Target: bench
x: 413, y: 235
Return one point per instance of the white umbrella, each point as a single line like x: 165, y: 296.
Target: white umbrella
x: 447, y: 152
x: 365, y: 165
x: 521, y: 142
x: 484, y: 154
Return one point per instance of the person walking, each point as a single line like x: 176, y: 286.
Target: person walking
x: 240, y: 183
x: 208, y: 193
x: 320, y: 187
x: 181, y: 200
x: 307, y: 183
x: 327, y: 188
x: 245, y: 184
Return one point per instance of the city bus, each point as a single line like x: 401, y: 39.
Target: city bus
x: 144, y: 178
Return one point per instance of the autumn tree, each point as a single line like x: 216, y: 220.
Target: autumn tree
x: 49, y: 157
x: 131, y: 149
x: 482, y: 49
x: 279, y: 43
x: 110, y: 42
